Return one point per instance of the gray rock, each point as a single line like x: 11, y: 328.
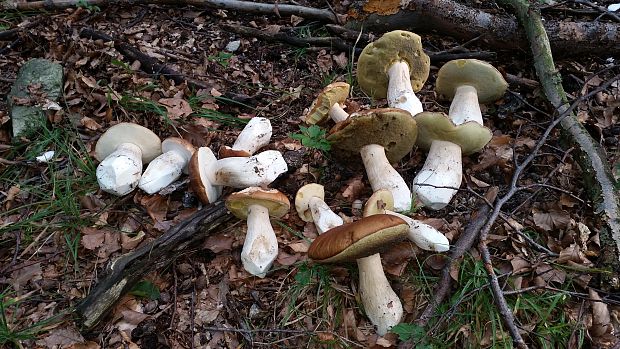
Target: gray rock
x: 233, y: 46
x: 34, y: 72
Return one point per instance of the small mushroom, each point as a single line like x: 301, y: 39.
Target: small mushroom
x: 167, y: 167
x: 394, y: 66
x: 423, y: 235
x: 467, y: 82
x: 256, y: 205
x: 122, y: 150
x: 381, y: 136
x: 311, y: 207
x: 255, y: 135
x: 329, y: 104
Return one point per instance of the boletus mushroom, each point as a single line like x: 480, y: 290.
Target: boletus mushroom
x: 122, y: 150
x: 447, y: 138
x: 167, y: 167
x: 255, y: 135
x: 328, y: 104
x: 311, y: 207
x: 257, y: 205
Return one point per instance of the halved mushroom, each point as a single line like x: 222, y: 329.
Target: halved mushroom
x: 468, y: 82
x: 257, y: 205
x: 329, y: 104
x: 122, y: 150
x: 311, y: 207
x: 255, y: 135
x: 167, y: 167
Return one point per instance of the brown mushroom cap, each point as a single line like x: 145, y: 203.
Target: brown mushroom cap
x: 302, y: 199
x: 470, y: 136
x: 199, y: 167
x: 488, y: 81
x: 377, y: 58
x: 378, y: 202
x: 359, y: 239
x: 272, y: 199
x: 228, y: 152
x: 392, y: 128
x: 181, y: 146
x: 333, y: 93
x: 126, y: 132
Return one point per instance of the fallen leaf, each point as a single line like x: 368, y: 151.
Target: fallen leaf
x: 25, y: 273
x: 61, y: 337
x: 176, y: 107
x: 601, y: 319
x: 156, y: 206
x: 90, y: 123
x: 354, y: 188
x: 554, y: 219
x: 219, y: 242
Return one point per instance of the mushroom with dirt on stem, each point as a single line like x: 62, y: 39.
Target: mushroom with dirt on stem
x: 122, y: 150
x: 311, y: 207
x: 255, y: 135
x: 328, y: 104
x: 167, y: 167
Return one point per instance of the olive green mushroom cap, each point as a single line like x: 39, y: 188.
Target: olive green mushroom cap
x: 470, y: 136
x: 333, y: 93
x: 377, y: 58
x: 392, y: 128
x: 488, y: 81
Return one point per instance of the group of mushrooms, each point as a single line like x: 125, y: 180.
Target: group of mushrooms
x: 393, y: 67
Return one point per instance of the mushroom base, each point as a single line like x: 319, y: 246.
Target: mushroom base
x: 440, y: 176
x: 382, y: 175
x: 120, y: 172
x: 260, y: 248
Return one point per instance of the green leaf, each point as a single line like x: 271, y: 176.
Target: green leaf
x: 312, y: 137
x: 407, y: 331
x: 145, y: 289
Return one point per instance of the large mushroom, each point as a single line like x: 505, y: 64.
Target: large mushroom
x: 167, y: 167
x: 328, y: 104
x: 394, y: 66
x: 467, y: 82
x: 122, y: 150
x: 257, y: 205
x: 382, y: 137
x: 311, y: 207
x: 255, y: 135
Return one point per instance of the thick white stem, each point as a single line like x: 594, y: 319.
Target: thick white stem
x: 323, y: 217
x: 337, y: 113
x: 120, y: 172
x: 381, y: 304
x: 400, y: 93
x: 382, y: 175
x: 255, y: 135
x: 162, y: 171
x: 465, y: 106
x: 260, y: 248
x: 423, y: 235
x: 441, y: 175
x: 254, y: 171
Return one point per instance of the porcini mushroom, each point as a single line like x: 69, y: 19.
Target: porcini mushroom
x: 257, y: 205
x: 255, y: 135
x: 311, y: 207
x: 329, y: 104
x: 394, y: 66
x: 381, y: 136
x: 468, y: 82
x: 167, y: 167
x: 423, y: 235
x: 122, y: 150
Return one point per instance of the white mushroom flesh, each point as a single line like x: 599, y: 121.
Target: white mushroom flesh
x: 441, y: 175
x: 162, y: 171
x: 260, y: 248
x: 120, y: 172
x: 255, y: 135
x: 465, y: 106
x: 400, y: 93
x: 382, y: 175
x: 337, y: 113
x: 323, y: 217
x: 423, y: 235
x: 254, y: 171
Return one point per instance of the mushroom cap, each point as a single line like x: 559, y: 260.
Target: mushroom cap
x: 359, y: 239
x: 470, y: 136
x: 302, y: 199
x: 378, y: 202
x: 126, y: 132
x: 228, y: 152
x: 392, y: 128
x: 377, y: 58
x: 200, y: 166
x: 336, y: 92
x: 272, y: 199
x: 488, y: 81
x: 180, y: 146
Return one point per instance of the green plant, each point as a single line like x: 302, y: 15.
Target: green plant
x: 312, y: 137
x: 87, y: 6
x: 222, y: 58
x: 145, y: 289
x: 12, y: 328
x: 195, y: 103
x: 412, y: 332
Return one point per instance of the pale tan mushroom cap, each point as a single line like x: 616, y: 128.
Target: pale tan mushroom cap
x: 488, y: 81
x: 272, y: 199
x: 378, y: 202
x: 470, y: 136
x: 378, y: 56
x: 302, y: 199
x: 336, y: 92
x: 125, y: 132
x: 392, y: 128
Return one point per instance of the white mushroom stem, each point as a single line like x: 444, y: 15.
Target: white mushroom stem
x: 255, y: 135
x: 323, y: 217
x: 400, y: 93
x: 465, y: 106
x: 382, y: 175
x: 337, y: 113
x: 162, y: 171
x: 381, y: 304
x: 254, y: 171
x: 119, y: 173
x: 423, y: 235
x: 441, y: 175
x: 260, y: 248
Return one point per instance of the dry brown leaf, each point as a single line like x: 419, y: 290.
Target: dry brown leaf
x: 601, y: 319
x: 92, y: 238
x: 90, y: 123
x: 552, y: 220
x: 324, y: 62
x: 176, y: 107
x: 354, y: 188
x: 156, y: 206
x: 287, y: 259
x: 299, y: 246
x: 25, y: 273
x: 341, y: 60
x: 130, y: 242
x: 519, y: 264
x: 85, y: 345
x: 61, y: 337
x: 550, y: 274
x: 219, y: 242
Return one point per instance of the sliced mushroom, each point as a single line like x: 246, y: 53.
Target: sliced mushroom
x: 311, y: 207
x: 255, y: 135
x: 167, y: 167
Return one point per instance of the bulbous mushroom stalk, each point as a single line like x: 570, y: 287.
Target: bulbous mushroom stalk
x: 255, y: 135
x: 337, y: 114
x: 167, y: 167
x: 311, y: 207
x: 400, y: 93
x: 382, y: 175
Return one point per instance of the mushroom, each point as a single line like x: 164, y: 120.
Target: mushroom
x: 394, y: 66
x: 381, y: 136
x: 167, y: 167
x: 207, y: 174
x: 467, y: 82
x: 423, y: 235
x: 122, y: 150
x: 255, y: 135
x: 329, y: 104
x: 256, y: 205
x: 311, y: 207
